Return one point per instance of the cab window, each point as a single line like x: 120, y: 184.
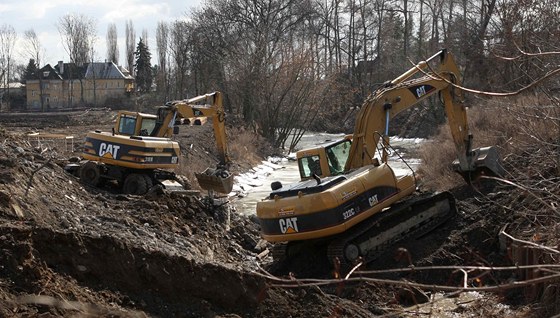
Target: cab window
x: 127, y: 124
x: 148, y: 125
x: 310, y: 165
x: 337, y: 155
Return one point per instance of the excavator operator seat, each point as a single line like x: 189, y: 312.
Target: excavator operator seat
x: 311, y: 165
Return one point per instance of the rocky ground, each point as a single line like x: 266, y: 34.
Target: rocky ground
x: 71, y: 250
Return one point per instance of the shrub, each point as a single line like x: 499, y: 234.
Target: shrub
x: 513, y: 125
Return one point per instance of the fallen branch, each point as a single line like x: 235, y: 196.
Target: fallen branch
x: 523, y: 53
x: 435, y: 76
x: 307, y: 282
x: 33, y: 174
x: 542, y: 247
x: 284, y: 283
x: 553, y: 208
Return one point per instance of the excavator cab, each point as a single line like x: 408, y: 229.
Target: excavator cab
x: 325, y: 160
x: 135, y: 124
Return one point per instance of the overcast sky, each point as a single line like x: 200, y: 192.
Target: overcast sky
x: 43, y: 15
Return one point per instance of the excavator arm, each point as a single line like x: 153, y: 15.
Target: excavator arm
x: 373, y: 120
x: 208, y: 105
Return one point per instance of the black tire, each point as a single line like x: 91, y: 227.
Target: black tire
x: 149, y: 181
x: 135, y: 183
x: 90, y: 173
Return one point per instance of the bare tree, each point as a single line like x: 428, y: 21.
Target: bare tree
x: 78, y: 36
x: 8, y: 37
x: 130, y: 46
x: 145, y: 37
x: 32, y: 47
x: 162, y: 35
x: 34, y: 50
x: 112, y: 45
x: 179, y: 51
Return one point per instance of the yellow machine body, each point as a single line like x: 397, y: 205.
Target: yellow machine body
x: 139, y: 147
x: 344, y: 183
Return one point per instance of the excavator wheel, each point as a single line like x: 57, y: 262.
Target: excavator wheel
x: 90, y: 173
x: 351, y: 253
x: 149, y: 181
x: 136, y: 183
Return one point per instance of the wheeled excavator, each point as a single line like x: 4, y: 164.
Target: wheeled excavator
x: 349, y: 198
x: 139, y: 152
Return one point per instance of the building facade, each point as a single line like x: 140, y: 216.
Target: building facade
x: 68, y: 85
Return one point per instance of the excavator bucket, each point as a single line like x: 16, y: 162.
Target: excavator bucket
x: 219, y: 180
x: 484, y: 161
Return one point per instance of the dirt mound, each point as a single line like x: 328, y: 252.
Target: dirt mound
x: 172, y: 249
x: 67, y: 248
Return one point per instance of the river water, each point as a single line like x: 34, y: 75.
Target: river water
x: 255, y: 185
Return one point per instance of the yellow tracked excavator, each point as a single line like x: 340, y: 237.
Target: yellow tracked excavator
x: 139, y: 151
x: 349, y: 198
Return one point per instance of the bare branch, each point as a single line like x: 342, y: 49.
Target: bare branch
x: 112, y: 45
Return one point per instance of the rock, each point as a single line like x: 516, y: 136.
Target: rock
x: 8, y: 162
x: 411, y: 296
x: 154, y: 192
x: 122, y: 197
x: 254, y: 219
x: 261, y: 245
x: 16, y: 209
x: 249, y: 241
x: 5, y: 198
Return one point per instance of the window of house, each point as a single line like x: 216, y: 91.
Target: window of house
x: 46, y: 73
x: 32, y: 93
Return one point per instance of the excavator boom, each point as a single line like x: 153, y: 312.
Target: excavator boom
x: 372, y: 122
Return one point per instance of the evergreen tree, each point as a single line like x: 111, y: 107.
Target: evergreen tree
x: 30, y: 71
x: 143, y: 67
